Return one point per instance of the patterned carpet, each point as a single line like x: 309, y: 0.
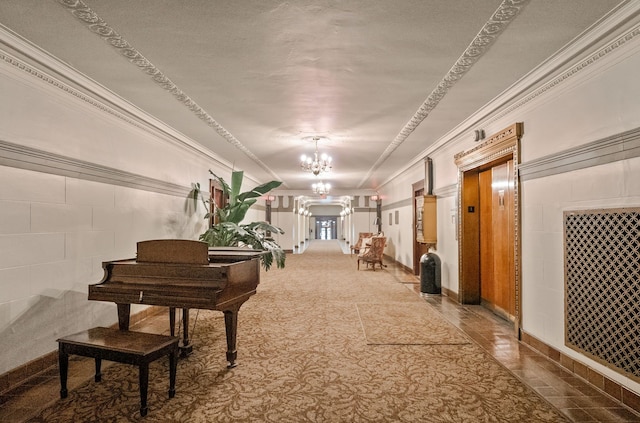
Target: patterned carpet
x: 320, y: 342
x: 407, y: 324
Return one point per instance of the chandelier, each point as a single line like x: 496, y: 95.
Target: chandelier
x: 321, y: 188
x: 318, y: 164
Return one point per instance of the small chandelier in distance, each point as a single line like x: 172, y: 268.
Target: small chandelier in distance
x: 318, y: 164
x: 321, y: 188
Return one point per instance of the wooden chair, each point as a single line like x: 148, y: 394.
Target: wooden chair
x: 373, y: 253
x: 355, y: 248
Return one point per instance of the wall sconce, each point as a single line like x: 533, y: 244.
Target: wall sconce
x: 478, y: 135
x: 375, y: 197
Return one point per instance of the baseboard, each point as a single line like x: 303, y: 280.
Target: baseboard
x: 453, y: 296
x: 397, y: 263
x: 18, y: 376
x: 591, y: 376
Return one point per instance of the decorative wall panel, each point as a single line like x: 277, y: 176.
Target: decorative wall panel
x: 602, y: 298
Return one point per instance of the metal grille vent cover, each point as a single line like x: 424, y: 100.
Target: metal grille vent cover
x: 602, y: 286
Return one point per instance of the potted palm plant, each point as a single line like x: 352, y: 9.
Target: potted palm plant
x: 228, y: 231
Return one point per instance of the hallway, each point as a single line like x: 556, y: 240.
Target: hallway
x: 572, y: 396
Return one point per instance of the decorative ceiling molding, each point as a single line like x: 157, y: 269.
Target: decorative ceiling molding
x: 485, y: 116
x: 574, y: 70
x: 501, y: 18
x: 99, y: 27
x: 143, y: 122
x: 90, y: 93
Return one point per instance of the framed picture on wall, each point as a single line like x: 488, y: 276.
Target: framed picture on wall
x: 390, y: 219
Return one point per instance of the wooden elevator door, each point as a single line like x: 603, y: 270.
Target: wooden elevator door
x: 497, y: 280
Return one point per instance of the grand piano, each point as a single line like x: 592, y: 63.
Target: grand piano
x: 184, y: 274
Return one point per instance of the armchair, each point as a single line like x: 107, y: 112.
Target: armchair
x: 355, y: 248
x: 373, y: 254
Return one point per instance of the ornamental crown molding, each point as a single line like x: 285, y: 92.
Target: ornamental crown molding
x: 39, y: 66
x: 492, y: 29
x: 99, y: 27
x: 516, y: 97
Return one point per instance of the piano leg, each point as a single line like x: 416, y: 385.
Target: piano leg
x: 231, y: 327
x: 186, y: 348
x: 172, y: 321
x: 124, y: 311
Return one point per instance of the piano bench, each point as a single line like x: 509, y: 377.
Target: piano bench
x: 122, y: 346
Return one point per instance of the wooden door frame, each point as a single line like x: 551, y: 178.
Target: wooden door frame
x: 498, y: 148
x: 416, y: 187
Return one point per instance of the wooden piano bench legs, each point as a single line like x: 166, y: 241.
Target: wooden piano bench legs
x: 122, y: 346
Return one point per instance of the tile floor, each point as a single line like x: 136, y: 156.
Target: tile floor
x: 570, y: 394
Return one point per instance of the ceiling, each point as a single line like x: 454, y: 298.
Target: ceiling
x: 254, y: 80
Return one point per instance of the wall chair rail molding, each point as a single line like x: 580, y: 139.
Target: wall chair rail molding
x: 24, y: 62
x: 22, y: 157
x: 625, y: 145
x: 446, y: 191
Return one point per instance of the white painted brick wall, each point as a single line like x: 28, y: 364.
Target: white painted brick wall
x: 55, y: 232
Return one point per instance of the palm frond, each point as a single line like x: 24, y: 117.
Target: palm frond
x: 229, y: 232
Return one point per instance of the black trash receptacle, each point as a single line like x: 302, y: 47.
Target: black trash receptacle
x: 430, y: 274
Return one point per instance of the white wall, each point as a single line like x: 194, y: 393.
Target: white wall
x: 397, y: 195
x: 362, y: 220
x: 56, y: 229
x: 283, y: 217
x: 593, y: 107
x: 54, y: 235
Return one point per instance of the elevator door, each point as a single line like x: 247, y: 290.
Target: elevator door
x: 497, y: 281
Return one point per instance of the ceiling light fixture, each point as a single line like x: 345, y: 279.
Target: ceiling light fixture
x: 318, y: 163
x: 321, y: 188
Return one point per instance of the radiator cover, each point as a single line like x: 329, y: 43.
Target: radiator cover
x: 602, y: 287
